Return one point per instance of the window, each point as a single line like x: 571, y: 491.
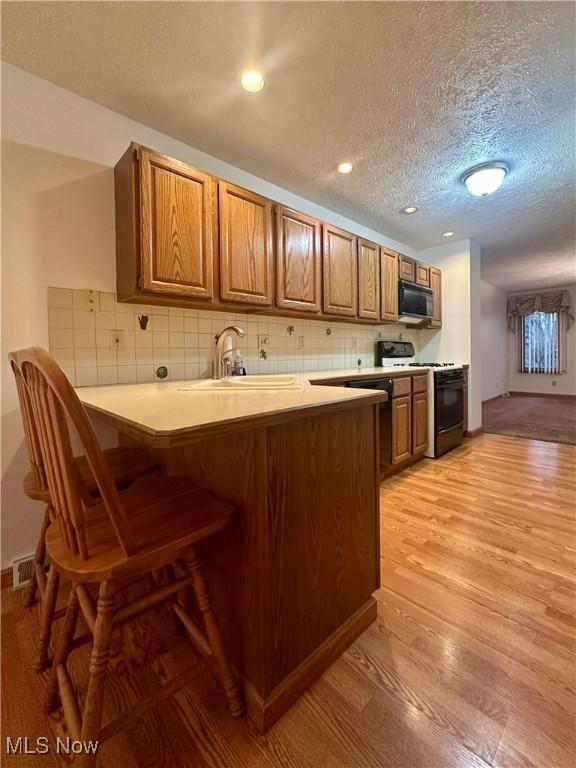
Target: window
x: 540, y: 343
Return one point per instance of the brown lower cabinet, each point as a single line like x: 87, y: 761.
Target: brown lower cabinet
x: 409, y: 418
x: 401, y: 428
x: 419, y: 422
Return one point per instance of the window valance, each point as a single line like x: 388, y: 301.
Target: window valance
x: 552, y: 301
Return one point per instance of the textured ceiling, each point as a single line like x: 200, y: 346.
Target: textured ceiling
x: 412, y: 93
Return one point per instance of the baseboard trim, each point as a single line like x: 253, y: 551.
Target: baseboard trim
x: 474, y: 432
x: 496, y: 397
x: 542, y: 394
x: 264, y: 712
x: 6, y: 578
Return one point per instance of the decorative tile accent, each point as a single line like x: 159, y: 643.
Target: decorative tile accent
x: 99, y: 341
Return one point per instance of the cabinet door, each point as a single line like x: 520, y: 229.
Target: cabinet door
x: 176, y: 227
x: 298, y: 261
x: 401, y: 428
x: 389, y: 284
x: 245, y: 246
x: 419, y: 422
x: 423, y: 274
x: 368, y: 279
x: 340, y: 271
x: 407, y: 268
x: 436, y: 286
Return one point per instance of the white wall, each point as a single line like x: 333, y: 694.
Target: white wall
x: 58, y: 154
x: 494, y: 341
x: 459, y: 339
x: 552, y: 384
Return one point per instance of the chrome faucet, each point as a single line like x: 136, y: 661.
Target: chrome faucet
x: 219, y: 354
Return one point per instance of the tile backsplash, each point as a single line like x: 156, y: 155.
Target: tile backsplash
x: 97, y: 340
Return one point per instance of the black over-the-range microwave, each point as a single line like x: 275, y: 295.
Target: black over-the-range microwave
x: 415, y: 303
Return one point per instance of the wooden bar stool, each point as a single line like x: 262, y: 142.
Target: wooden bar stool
x: 126, y: 464
x: 137, y: 532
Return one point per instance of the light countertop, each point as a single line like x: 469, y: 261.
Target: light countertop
x: 168, y: 409
x: 363, y: 373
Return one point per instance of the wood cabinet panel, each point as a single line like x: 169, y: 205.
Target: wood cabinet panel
x: 340, y: 271
x: 245, y: 246
x: 298, y: 261
x: 436, y: 286
x: 401, y: 386
x: 368, y: 279
x: 401, y: 428
x: 407, y: 268
x: 176, y: 210
x: 389, y: 284
x: 419, y: 422
x: 423, y: 274
x: 420, y: 383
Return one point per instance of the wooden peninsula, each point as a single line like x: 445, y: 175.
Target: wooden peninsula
x: 292, y: 579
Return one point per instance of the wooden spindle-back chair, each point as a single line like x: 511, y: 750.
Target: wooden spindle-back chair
x: 136, y: 532
x: 126, y: 465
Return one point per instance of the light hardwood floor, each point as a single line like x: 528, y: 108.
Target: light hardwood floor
x: 471, y: 663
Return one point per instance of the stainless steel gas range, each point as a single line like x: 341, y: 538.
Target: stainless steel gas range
x: 445, y: 394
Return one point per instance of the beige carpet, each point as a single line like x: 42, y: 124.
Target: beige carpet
x: 538, y: 418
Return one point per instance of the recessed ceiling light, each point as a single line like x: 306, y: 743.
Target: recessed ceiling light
x: 409, y: 209
x: 252, y: 81
x: 447, y: 234
x: 345, y: 168
x: 485, y: 179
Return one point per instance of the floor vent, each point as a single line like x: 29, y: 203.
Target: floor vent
x: 22, y: 571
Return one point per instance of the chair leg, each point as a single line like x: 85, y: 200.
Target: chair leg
x: 92, y: 716
x: 214, y: 637
x: 62, y: 649
x: 39, y: 557
x: 47, y: 616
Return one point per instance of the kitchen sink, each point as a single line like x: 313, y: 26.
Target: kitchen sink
x: 247, y: 383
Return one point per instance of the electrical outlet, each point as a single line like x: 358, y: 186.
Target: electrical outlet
x: 116, y: 341
x: 88, y: 301
x: 554, y: 383
x: 263, y: 340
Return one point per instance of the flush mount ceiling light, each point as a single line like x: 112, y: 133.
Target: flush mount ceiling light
x: 448, y: 234
x: 345, y: 168
x: 252, y: 81
x: 409, y: 209
x: 485, y: 179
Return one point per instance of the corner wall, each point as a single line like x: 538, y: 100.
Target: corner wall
x: 494, y: 341
x: 459, y: 339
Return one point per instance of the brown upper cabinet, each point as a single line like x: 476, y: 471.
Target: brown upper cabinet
x: 298, y: 261
x: 406, y: 268
x: 436, y: 286
x: 340, y: 271
x: 186, y: 238
x: 422, y: 274
x: 164, y: 226
x: 368, y: 279
x: 245, y: 245
x: 389, y: 284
